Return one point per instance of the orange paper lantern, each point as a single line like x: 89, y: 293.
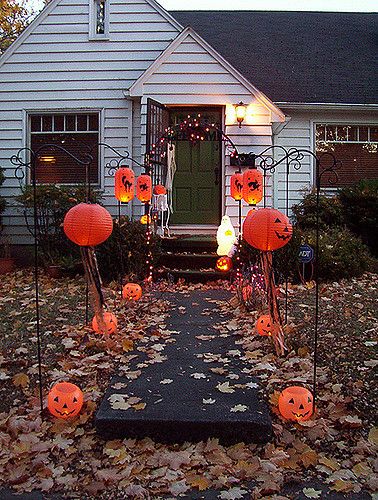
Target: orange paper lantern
x: 160, y: 189
x: 144, y: 188
x: 88, y: 224
x: 224, y: 264
x: 252, y: 186
x: 132, y: 291
x: 65, y: 400
x: 145, y: 219
x: 296, y: 403
x: 124, y: 184
x: 264, y: 325
x: 110, y: 321
x: 267, y: 229
x: 236, y: 186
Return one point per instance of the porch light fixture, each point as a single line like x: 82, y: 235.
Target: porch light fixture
x: 241, y: 111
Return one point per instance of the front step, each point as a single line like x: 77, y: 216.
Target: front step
x: 181, y: 395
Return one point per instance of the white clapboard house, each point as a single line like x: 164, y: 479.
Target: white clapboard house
x: 119, y: 71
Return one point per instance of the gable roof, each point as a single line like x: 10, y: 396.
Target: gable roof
x: 137, y: 88
x: 313, y: 57
x: 51, y: 6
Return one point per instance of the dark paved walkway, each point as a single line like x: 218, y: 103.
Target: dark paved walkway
x: 182, y: 400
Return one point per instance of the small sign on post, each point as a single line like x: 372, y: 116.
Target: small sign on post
x: 306, y: 254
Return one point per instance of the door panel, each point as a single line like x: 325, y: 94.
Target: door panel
x: 196, y: 192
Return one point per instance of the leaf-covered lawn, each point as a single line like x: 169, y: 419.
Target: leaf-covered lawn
x: 338, y: 446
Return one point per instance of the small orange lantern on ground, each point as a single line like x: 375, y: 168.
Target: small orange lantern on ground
x: 88, y: 224
x: 224, y: 264
x: 124, y: 184
x: 160, y: 189
x: 65, y: 400
x: 264, y: 325
x: 110, y: 321
x: 252, y: 186
x: 296, y: 403
x: 144, y: 188
x: 132, y: 291
x: 145, y: 219
x: 236, y: 186
x: 267, y: 229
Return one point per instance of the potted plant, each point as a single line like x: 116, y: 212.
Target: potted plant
x: 6, y: 261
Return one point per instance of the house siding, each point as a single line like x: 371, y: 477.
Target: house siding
x: 57, y: 68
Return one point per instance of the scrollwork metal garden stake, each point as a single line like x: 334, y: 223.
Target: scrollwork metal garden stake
x: 25, y: 161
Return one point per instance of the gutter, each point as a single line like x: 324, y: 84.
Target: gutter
x: 327, y: 106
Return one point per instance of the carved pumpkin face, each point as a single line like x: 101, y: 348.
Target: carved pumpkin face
x: 144, y: 188
x: 252, y: 186
x: 65, y: 400
x: 124, y: 184
x: 267, y: 229
x: 296, y: 403
x: 264, y: 325
x: 236, y: 184
x: 160, y: 189
x: 110, y: 324
x: 132, y: 291
x: 223, y: 264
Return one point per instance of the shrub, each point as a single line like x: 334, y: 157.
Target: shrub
x: 360, y: 206
x: 330, y: 212
x: 52, y: 204
x: 126, y: 251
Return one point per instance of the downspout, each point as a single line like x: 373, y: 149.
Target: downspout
x: 276, y: 130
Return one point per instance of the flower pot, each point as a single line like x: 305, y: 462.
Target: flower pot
x: 55, y: 271
x: 6, y: 265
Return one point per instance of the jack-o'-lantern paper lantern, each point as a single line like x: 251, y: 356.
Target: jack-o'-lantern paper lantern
x: 160, y: 189
x: 267, y: 229
x: 224, y: 264
x: 252, y: 186
x: 132, y: 291
x: 264, y: 325
x: 144, y: 188
x: 65, y: 400
x: 236, y: 186
x: 110, y: 324
x: 88, y: 224
x: 124, y: 180
x: 296, y: 403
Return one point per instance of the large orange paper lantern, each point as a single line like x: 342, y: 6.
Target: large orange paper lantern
x: 110, y: 322
x: 88, y: 224
x: 65, y: 400
x: 236, y: 186
x: 124, y: 184
x: 252, y: 186
x: 224, y: 264
x: 264, y: 325
x: 296, y: 403
x: 160, y: 189
x: 144, y: 188
x: 132, y: 291
x: 267, y: 229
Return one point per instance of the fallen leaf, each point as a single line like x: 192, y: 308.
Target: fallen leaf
x: 237, y: 408
x: 20, y: 380
x: 232, y: 494
x: 166, y: 381
x: 311, y: 493
x: 225, y: 387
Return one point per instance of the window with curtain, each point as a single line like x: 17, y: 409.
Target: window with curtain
x: 356, y: 146
x: 78, y: 134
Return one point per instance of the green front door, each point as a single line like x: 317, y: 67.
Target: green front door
x: 197, y: 183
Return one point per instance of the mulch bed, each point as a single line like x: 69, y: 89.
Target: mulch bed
x: 338, y: 446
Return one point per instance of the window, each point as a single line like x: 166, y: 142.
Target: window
x: 98, y: 25
x: 78, y: 133
x: 356, y: 146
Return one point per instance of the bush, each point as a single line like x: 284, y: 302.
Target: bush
x: 126, y: 251
x: 330, y: 212
x: 360, y: 206
x: 52, y: 204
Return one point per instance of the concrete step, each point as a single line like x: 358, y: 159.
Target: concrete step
x: 188, y: 260
x: 186, y: 407
x: 193, y: 275
x: 193, y: 244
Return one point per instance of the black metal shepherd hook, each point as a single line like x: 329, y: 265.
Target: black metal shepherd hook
x: 25, y: 161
